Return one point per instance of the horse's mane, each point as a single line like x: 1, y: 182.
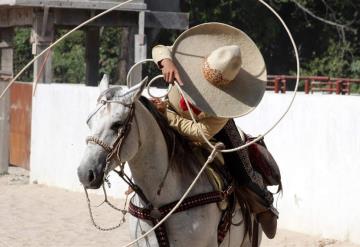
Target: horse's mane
x: 179, y: 148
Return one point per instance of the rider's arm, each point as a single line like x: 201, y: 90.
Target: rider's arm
x: 209, y: 125
x: 162, y: 57
x: 161, y: 52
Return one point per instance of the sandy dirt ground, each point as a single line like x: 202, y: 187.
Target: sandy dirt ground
x: 37, y: 216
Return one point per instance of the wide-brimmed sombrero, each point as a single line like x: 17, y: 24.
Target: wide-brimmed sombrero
x: 223, y: 71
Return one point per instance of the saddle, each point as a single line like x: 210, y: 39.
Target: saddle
x: 250, y: 200
x: 263, y: 162
x: 253, y: 166
x: 249, y: 170
x: 253, y: 169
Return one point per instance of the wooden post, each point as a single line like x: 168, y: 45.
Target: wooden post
x: 131, y: 49
x: 276, y: 85
x: 4, y: 129
x: 348, y: 87
x: 123, y: 66
x: 127, y: 52
x: 140, y: 48
x: 307, y: 86
x: 339, y: 89
x: 41, y: 38
x: 283, y: 87
x: 311, y: 86
x: 92, y: 56
x: 6, y: 37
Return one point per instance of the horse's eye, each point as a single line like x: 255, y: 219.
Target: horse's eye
x: 116, y: 126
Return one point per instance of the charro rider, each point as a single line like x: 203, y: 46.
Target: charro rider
x: 223, y: 74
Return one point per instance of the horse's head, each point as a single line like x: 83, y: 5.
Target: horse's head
x: 114, y: 137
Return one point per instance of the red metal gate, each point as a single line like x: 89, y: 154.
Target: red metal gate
x: 20, y: 124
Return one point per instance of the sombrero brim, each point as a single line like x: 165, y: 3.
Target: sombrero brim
x: 239, y: 97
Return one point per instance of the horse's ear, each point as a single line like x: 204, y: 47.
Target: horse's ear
x: 136, y: 90
x: 104, y: 84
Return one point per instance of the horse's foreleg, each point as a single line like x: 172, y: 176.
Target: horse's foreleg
x: 139, y: 227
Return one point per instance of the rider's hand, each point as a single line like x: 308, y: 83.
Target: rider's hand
x: 170, y: 71
x: 160, y: 105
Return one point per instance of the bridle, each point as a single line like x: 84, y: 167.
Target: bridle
x: 114, y: 150
x: 113, y: 154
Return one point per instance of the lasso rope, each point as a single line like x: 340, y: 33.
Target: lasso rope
x: 214, y: 148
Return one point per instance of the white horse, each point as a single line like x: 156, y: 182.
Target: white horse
x: 145, y: 149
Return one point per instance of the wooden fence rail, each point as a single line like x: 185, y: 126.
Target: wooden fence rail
x: 312, y: 84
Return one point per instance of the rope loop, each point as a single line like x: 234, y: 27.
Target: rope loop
x: 148, y: 87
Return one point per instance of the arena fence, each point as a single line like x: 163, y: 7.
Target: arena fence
x: 324, y: 84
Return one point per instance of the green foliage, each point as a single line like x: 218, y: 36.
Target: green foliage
x: 355, y: 67
x: 69, y: 55
x: 69, y: 58
x: 22, y: 53
x: 110, y: 52
x: 331, y: 63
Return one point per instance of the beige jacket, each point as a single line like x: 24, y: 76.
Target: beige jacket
x: 180, y: 119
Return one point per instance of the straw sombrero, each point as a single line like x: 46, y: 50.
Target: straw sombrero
x: 223, y: 71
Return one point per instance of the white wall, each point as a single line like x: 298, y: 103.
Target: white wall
x: 316, y: 146
x: 58, y: 135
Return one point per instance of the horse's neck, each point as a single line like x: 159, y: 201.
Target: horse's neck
x: 150, y: 164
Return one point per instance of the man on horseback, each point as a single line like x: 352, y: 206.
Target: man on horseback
x: 224, y: 75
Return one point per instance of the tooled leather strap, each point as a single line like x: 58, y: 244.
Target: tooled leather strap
x: 156, y: 214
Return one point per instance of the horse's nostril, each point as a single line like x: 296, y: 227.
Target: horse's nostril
x: 91, y: 176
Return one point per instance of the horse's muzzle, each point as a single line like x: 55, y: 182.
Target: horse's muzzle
x: 90, y: 178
